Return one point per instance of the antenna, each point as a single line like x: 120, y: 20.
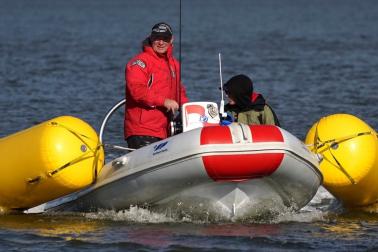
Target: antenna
x: 180, y: 59
x: 221, y: 107
x: 174, y: 117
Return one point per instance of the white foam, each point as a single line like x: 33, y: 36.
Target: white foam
x: 320, y: 196
x: 320, y: 206
x: 134, y: 214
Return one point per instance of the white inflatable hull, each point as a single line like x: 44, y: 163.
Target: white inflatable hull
x: 226, y: 171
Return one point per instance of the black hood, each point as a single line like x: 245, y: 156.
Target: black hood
x: 240, y: 88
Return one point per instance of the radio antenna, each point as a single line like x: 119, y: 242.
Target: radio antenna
x: 180, y: 58
x: 221, y: 106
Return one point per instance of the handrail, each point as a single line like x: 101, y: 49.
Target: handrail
x: 108, y: 115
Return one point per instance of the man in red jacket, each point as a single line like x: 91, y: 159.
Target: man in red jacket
x: 153, y: 89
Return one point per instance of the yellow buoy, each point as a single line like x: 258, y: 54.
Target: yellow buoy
x: 349, y: 148
x: 47, y: 161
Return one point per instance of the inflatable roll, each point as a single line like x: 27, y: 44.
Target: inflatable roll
x: 349, y: 149
x: 47, y: 161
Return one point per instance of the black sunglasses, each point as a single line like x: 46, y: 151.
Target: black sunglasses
x: 164, y: 38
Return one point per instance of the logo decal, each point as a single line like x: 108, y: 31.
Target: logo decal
x: 159, y: 148
x: 213, y: 111
x: 204, y: 118
x: 139, y: 63
x: 162, y: 28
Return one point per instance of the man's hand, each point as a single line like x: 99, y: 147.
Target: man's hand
x: 171, y: 105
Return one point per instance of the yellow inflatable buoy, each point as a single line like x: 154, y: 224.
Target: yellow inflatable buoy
x: 47, y: 161
x: 349, y: 148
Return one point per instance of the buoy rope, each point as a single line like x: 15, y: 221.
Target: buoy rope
x: 78, y: 135
x: 321, y: 146
x: 340, y: 167
x: 74, y: 161
x: 82, y: 157
x: 318, y: 144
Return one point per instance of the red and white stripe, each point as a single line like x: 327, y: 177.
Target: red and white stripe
x: 238, y: 167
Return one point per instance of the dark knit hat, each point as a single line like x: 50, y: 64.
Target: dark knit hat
x: 240, y: 89
x: 239, y: 84
x: 161, y: 30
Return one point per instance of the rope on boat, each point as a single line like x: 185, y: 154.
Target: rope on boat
x: 118, y: 147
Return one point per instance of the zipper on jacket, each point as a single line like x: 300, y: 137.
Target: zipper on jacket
x: 149, y: 84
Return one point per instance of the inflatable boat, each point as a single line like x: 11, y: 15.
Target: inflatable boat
x: 225, y: 171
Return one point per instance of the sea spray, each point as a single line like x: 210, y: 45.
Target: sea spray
x: 133, y: 214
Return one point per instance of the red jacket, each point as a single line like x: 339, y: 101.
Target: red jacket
x: 150, y: 79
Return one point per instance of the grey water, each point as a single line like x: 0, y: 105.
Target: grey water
x: 308, y: 58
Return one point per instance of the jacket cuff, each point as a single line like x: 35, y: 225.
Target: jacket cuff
x: 160, y: 101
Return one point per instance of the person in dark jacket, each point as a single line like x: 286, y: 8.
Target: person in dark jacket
x: 153, y: 89
x: 245, y: 105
